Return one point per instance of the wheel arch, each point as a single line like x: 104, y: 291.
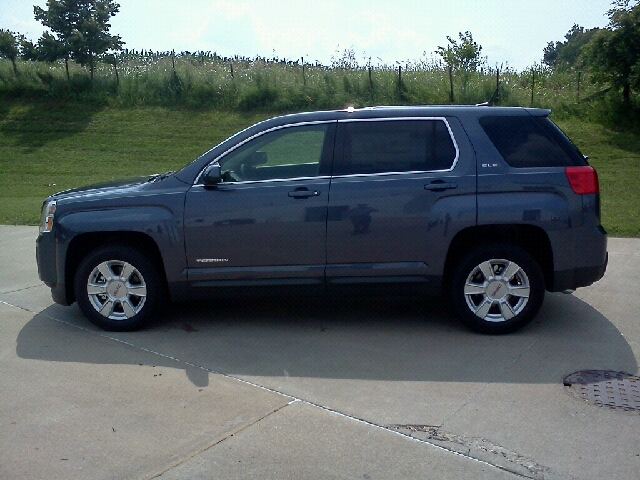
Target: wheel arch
x: 84, y: 243
x: 529, y: 237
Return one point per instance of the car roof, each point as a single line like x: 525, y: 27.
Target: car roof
x: 427, y: 111
x: 404, y: 111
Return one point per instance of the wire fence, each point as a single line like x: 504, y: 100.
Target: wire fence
x: 205, y: 80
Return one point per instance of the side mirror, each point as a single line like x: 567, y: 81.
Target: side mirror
x: 212, y: 175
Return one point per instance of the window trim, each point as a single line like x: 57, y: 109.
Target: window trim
x: 403, y: 172
x: 197, y: 183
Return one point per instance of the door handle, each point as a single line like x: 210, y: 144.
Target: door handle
x: 439, y: 186
x: 303, y: 193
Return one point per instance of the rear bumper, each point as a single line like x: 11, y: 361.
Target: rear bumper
x: 579, y: 277
x: 590, y: 259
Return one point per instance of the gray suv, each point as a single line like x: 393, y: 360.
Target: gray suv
x: 489, y: 206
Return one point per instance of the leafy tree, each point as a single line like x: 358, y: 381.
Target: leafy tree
x: 569, y: 53
x: 80, y: 30
x: 9, y: 47
x: 51, y: 49
x: 28, y: 51
x: 614, y: 52
x: 463, y: 57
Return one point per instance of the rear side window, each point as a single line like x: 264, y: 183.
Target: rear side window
x: 395, y: 146
x: 531, y: 142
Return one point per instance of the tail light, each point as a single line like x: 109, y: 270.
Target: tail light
x: 583, y: 180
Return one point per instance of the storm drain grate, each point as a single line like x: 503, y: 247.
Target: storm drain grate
x: 616, y: 390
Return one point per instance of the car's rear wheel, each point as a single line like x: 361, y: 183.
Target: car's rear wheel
x: 497, y: 288
x: 118, y: 288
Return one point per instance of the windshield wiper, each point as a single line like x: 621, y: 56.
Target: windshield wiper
x: 160, y: 176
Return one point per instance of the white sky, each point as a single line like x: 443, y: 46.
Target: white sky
x: 512, y: 32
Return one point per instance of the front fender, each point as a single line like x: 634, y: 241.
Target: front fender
x: 79, y: 231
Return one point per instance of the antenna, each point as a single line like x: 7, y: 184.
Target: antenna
x: 489, y: 103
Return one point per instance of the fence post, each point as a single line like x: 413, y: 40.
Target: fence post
x: 115, y: 67
x: 497, y: 86
x: 533, y: 83
x: 451, y: 85
x: 579, y: 78
x: 304, y: 79
x: 233, y: 78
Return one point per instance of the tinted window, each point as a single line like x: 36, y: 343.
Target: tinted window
x: 286, y: 153
x: 530, y: 142
x: 396, y: 146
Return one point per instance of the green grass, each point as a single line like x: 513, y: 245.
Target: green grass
x: 616, y: 157
x: 46, y: 147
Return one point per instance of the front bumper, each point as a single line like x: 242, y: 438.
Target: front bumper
x: 46, y: 258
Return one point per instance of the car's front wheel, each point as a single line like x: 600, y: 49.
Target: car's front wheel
x: 497, y: 288
x: 118, y: 288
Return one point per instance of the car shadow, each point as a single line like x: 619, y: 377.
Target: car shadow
x: 389, y: 339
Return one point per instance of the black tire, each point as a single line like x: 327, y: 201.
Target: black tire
x: 118, y: 288
x: 487, y: 300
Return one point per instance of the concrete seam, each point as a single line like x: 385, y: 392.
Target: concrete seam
x: 409, y: 437
x: 484, y: 387
x: 22, y: 289
x: 293, y: 399
x: 169, y: 357
x: 19, y: 307
x: 217, y: 442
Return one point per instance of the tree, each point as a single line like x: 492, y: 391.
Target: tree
x: 9, y: 47
x: 614, y: 52
x: 80, y: 30
x: 51, y: 49
x: 570, y: 52
x: 28, y: 51
x: 463, y: 57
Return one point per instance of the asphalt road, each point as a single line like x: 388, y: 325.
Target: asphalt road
x: 297, y: 388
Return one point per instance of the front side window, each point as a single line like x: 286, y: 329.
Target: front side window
x: 290, y: 152
x: 396, y: 146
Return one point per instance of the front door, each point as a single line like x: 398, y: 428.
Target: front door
x: 265, y: 224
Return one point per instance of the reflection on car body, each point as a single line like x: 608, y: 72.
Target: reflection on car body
x: 483, y: 204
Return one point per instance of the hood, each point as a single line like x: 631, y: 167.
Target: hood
x: 106, y: 188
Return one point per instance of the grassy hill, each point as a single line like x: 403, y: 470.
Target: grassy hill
x: 46, y: 147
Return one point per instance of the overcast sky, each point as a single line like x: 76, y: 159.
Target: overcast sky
x: 512, y: 32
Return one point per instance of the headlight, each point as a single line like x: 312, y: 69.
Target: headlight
x: 46, y: 220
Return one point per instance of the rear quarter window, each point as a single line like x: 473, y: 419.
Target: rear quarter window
x: 526, y: 141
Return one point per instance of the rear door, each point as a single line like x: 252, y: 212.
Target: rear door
x: 401, y: 189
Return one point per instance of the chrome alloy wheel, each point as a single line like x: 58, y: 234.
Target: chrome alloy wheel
x: 116, y: 290
x: 497, y: 290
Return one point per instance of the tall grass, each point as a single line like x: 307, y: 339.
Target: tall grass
x: 204, y: 81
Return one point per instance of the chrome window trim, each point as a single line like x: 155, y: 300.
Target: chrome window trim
x: 345, y: 120
x: 272, y: 180
x: 386, y: 119
x: 197, y: 183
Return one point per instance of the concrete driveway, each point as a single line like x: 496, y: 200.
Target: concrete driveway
x: 376, y: 388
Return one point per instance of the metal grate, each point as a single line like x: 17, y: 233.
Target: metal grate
x: 616, y: 390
